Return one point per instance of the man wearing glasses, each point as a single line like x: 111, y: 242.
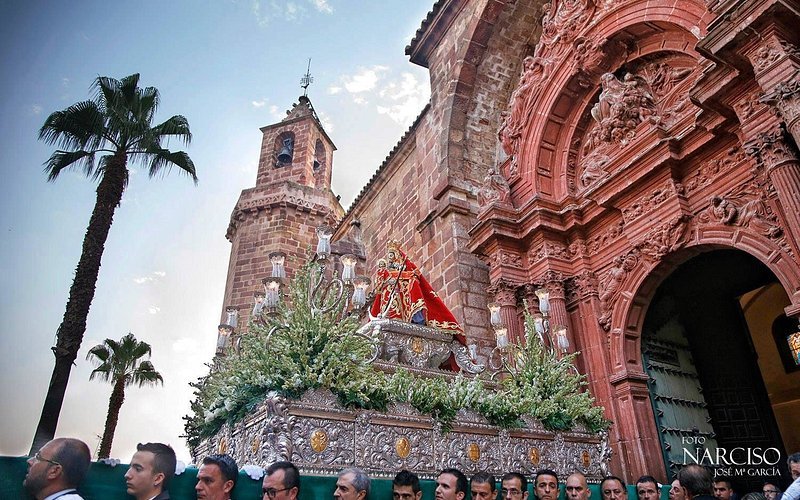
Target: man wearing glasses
x: 770, y: 490
x: 281, y: 482
x: 514, y: 485
x: 57, y: 469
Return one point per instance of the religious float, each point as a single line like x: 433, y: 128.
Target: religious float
x: 312, y: 383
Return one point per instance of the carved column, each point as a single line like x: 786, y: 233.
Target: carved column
x: 785, y: 97
x: 782, y: 165
x: 554, y: 283
x: 505, y: 294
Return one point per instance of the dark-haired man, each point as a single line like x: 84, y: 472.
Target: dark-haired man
x: 514, y: 485
x: 216, y: 478
x: 647, y: 488
x: 57, y: 469
x: 723, y: 488
x: 545, y: 485
x: 451, y: 484
x: 613, y: 488
x: 405, y: 486
x: 152, y: 467
x: 281, y: 482
x: 482, y: 486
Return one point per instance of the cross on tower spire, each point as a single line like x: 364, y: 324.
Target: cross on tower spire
x: 307, y: 79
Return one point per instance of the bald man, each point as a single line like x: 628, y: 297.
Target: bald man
x: 57, y: 469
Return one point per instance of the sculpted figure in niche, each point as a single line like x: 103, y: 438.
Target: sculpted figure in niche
x: 611, y: 284
x: 494, y: 190
x: 621, y: 106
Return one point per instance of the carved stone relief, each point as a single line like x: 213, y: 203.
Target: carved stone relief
x: 495, y: 189
x: 652, y: 200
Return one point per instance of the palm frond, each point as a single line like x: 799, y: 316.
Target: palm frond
x: 177, y: 126
x: 80, y: 126
x: 166, y: 159
x: 60, y: 160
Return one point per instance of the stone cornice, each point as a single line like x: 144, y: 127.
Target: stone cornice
x: 432, y: 30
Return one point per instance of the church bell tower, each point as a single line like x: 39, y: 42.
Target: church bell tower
x: 291, y: 198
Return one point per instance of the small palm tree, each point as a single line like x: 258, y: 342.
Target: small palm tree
x: 121, y: 364
x: 118, y: 124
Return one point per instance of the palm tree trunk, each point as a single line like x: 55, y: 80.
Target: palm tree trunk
x: 114, y: 405
x: 70, y: 333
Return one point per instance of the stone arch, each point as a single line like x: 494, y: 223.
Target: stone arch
x: 632, y: 32
x: 628, y: 314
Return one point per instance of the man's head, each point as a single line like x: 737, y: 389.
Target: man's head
x: 647, y: 488
x: 58, y: 465
x: 794, y: 464
x: 770, y: 490
x: 577, y: 488
x: 696, y: 480
x: 352, y: 484
x: 612, y: 488
x: 723, y: 488
x: 482, y: 486
x: 514, y: 486
x: 545, y: 485
x: 676, y: 491
x: 405, y: 486
x: 151, y: 469
x: 451, y: 484
x: 216, y: 477
x: 281, y: 482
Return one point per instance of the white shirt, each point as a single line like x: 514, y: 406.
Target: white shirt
x: 68, y: 494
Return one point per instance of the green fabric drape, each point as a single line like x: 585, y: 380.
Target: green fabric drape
x: 107, y: 483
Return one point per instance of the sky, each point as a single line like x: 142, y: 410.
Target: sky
x: 230, y: 67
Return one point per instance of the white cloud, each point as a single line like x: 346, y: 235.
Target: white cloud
x: 326, y: 121
x: 259, y: 104
x: 154, y: 276
x: 322, y: 6
x: 359, y: 100
x: 65, y: 82
x: 36, y: 109
x: 365, y: 80
x: 184, y: 345
x: 276, y: 113
x: 153, y: 309
x: 334, y: 90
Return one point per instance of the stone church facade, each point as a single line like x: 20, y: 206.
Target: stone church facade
x: 593, y: 148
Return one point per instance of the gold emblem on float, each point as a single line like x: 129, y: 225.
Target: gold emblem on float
x: 474, y: 452
x: 319, y: 440
x: 223, y: 446
x: 254, y: 444
x: 403, y: 447
x: 417, y: 346
x: 586, y: 458
x: 533, y: 455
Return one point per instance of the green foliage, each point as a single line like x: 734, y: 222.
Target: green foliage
x: 310, y: 351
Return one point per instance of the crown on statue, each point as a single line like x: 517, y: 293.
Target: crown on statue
x: 394, y: 246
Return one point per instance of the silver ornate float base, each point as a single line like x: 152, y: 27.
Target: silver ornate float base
x: 320, y: 437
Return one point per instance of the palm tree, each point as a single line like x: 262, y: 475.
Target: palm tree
x: 121, y: 364
x: 117, y: 124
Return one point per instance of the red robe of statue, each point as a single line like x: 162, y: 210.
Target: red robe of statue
x: 402, y: 293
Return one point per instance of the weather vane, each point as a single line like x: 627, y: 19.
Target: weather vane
x: 307, y: 79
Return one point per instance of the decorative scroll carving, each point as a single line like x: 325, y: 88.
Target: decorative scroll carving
x: 563, y: 21
x: 711, y: 169
x: 323, y: 437
x: 651, y: 201
x: 748, y: 106
x: 767, y: 54
x: 276, y: 436
x: 593, y: 167
x: 744, y: 206
x: 505, y: 258
x: 658, y: 242
x: 605, y: 238
x: 582, y: 285
x: 495, y: 189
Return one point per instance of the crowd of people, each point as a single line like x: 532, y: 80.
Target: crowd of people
x: 58, y: 468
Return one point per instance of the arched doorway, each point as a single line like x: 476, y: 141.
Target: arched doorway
x: 706, y: 349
